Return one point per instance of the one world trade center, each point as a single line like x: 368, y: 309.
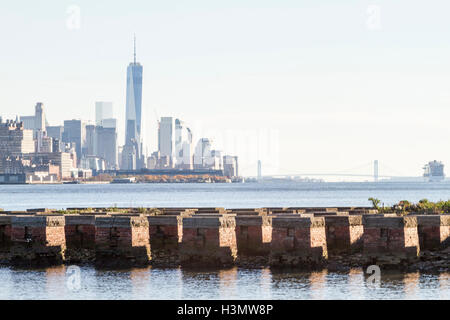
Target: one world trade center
x: 132, y: 150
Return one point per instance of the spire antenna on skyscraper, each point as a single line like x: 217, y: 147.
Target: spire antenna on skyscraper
x: 135, y: 48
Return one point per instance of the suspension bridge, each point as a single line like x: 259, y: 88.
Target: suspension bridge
x: 371, y: 169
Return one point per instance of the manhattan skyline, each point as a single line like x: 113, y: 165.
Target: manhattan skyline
x: 336, y: 92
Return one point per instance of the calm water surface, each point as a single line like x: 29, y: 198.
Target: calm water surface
x: 58, y: 283
x: 274, y: 194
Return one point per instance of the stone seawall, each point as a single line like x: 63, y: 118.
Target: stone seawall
x: 217, y: 237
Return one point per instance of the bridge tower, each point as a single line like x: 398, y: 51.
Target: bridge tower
x: 375, y: 170
x: 259, y: 170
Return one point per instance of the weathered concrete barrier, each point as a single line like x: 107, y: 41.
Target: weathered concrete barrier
x: 434, y: 231
x: 5, y: 234
x: 344, y: 234
x: 279, y: 237
x: 390, y: 240
x: 330, y: 213
x: 37, y: 240
x: 298, y: 242
x: 80, y: 238
x: 253, y: 238
x: 165, y: 234
x: 121, y: 241
x: 362, y: 211
x: 209, y: 240
x: 320, y: 209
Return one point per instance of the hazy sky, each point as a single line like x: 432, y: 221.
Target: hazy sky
x: 306, y: 86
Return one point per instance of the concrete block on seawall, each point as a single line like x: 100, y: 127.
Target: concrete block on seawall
x: 120, y: 221
x: 389, y: 222
x: 344, y: 234
x: 38, y: 221
x: 390, y: 240
x: 75, y: 219
x: 297, y: 221
x: 298, y: 242
x: 209, y: 221
x: 434, y: 231
x: 169, y: 220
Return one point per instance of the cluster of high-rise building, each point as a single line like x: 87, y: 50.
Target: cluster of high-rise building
x: 176, y: 150
x: 31, y: 150
x: 175, y: 140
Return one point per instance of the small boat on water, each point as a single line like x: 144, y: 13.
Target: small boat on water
x: 72, y: 182
x: 124, y: 180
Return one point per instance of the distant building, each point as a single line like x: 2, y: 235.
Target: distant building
x: 101, y: 142
x: 44, y: 143
x: 103, y: 110
x: 60, y: 159
x: 106, y: 146
x: 75, y: 132
x: 10, y: 164
x: 109, y: 123
x: 132, y: 151
x: 15, y: 140
x: 183, y: 146
x: 215, y: 161
x: 158, y: 161
x: 434, y: 171
x: 202, y: 154
x: 57, y: 145
x: 55, y: 132
x: 230, y: 166
x: 129, y: 157
x: 38, y: 122
x: 207, y: 158
x: 152, y: 162
x: 92, y: 163
x: 90, y: 148
x: 28, y: 122
x: 166, y: 138
x: 70, y: 149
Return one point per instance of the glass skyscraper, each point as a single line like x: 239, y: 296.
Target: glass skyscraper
x: 132, y: 152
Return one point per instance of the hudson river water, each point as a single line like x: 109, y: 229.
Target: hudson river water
x: 67, y: 282
x: 229, y: 195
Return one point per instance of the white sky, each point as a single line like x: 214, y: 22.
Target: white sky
x: 306, y: 86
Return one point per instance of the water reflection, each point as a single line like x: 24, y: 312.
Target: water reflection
x: 299, y: 285
x: 165, y: 284
x: 139, y: 279
x: 410, y: 281
x: 354, y: 280
x: 234, y: 283
x: 228, y: 283
x: 317, y: 285
x: 443, y: 285
x: 55, y: 282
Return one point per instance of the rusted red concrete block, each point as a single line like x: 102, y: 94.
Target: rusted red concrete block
x: 390, y: 240
x: 344, y: 233
x: 5, y: 233
x: 253, y: 235
x: 434, y: 231
x: 298, y: 241
x: 80, y: 238
x: 37, y: 240
x: 121, y: 241
x: 80, y: 231
x: 208, y: 240
x: 165, y: 234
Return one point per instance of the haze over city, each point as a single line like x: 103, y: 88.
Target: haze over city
x: 336, y: 85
